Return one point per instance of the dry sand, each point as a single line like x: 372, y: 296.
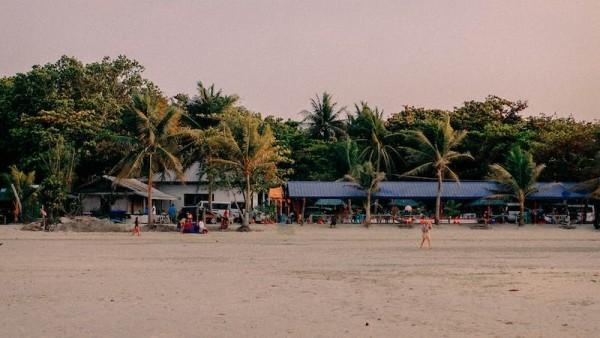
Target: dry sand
x: 306, y: 281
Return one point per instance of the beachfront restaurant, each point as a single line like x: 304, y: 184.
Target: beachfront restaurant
x: 464, y: 202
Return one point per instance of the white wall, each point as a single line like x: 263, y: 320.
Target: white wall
x: 90, y: 203
x: 178, y: 190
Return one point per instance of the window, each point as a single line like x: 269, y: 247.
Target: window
x: 194, y: 199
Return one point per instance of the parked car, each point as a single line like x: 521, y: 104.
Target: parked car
x: 219, y: 207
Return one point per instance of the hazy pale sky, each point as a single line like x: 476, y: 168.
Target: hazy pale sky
x: 278, y: 54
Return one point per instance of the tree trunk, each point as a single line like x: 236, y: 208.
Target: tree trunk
x: 248, y: 207
x: 521, y: 211
x: 438, y: 198
x: 368, y: 210
x: 150, y: 218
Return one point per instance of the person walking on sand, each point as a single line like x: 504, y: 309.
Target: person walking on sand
x: 136, y: 228
x: 44, y: 215
x: 426, y: 233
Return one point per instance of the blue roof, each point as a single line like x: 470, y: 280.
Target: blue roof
x: 426, y: 190
x: 423, y: 190
x: 316, y: 189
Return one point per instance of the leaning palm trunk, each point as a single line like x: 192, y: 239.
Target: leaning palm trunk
x: 521, y: 209
x: 150, y: 219
x: 438, y: 198
x: 368, y: 211
x: 248, y: 206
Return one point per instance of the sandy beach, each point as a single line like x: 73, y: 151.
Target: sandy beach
x: 311, y: 281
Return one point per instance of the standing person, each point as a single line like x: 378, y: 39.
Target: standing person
x: 333, y: 221
x: 426, y: 233
x: 172, y: 211
x: 44, y: 215
x: 225, y: 220
x: 136, y: 227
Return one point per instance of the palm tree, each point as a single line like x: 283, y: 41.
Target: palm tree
x: 436, y: 153
x: 323, y: 119
x: 517, y: 178
x: 247, y: 150
x: 367, y: 124
x: 21, y: 185
x: 155, y: 144
x: 368, y: 179
x: 206, y: 108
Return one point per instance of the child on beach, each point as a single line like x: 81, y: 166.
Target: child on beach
x: 136, y: 228
x: 426, y: 230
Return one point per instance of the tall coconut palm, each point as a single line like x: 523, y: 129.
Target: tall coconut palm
x: 436, y: 152
x: 246, y: 150
x: 323, y: 119
x: 207, y: 107
x: 517, y: 178
x: 368, y: 126
x: 368, y: 179
x: 154, y: 144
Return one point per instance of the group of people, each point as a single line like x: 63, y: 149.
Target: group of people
x: 187, y: 225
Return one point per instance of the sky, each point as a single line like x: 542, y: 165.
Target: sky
x: 277, y: 55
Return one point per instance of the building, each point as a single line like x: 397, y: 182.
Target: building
x: 193, y: 189
x: 125, y: 196
x: 303, y: 194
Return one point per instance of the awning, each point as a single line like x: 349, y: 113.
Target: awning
x: 276, y: 193
x: 403, y: 202
x: 329, y: 202
x: 487, y: 201
x: 140, y: 188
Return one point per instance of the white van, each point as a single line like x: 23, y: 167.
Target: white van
x: 578, y: 209
x: 219, y: 207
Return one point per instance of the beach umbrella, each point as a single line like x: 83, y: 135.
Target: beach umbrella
x: 404, y: 202
x: 331, y: 202
x: 487, y: 202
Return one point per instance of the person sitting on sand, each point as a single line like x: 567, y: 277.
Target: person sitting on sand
x: 426, y: 233
x: 202, y: 227
x: 136, y: 228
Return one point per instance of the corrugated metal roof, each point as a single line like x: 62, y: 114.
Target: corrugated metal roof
x: 312, y: 189
x: 140, y: 188
x: 422, y: 190
x: 426, y: 190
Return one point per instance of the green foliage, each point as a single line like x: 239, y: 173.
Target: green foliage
x: 368, y: 128
x: 70, y: 100
x: 568, y: 148
x: 368, y: 179
x: 517, y: 177
x: 435, y: 152
x: 26, y: 204
x: 58, y: 164
x: 207, y: 107
x: 323, y: 119
x: 247, y: 151
x: 452, y: 208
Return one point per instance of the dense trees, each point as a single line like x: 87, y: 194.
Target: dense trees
x: 79, y: 110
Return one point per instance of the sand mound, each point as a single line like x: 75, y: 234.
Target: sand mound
x: 80, y: 224
x: 89, y: 224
